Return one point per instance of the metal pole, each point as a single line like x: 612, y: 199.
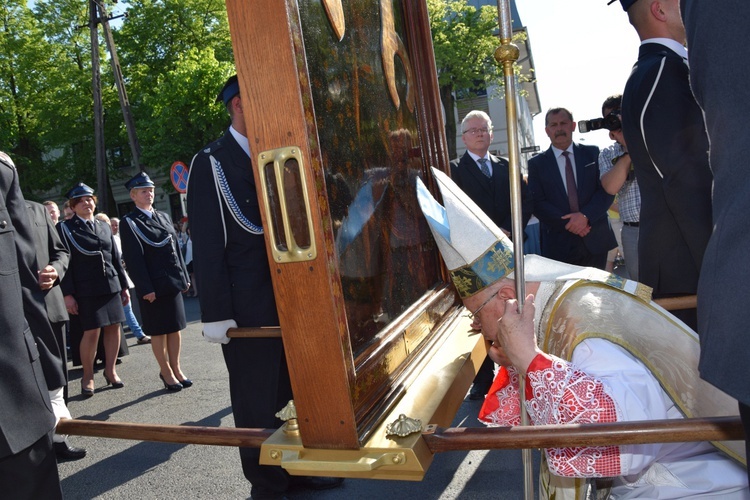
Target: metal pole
x: 101, y: 164
x: 506, y: 55
x: 135, y: 147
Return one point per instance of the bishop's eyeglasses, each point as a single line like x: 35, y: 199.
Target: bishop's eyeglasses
x: 473, y: 315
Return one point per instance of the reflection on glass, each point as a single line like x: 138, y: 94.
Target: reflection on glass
x: 295, y: 204
x: 371, y: 158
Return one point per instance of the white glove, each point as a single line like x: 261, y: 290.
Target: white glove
x: 216, y: 331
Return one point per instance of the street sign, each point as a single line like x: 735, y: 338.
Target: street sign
x: 530, y: 149
x: 179, y: 176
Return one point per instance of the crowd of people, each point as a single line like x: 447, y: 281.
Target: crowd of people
x: 580, y: 348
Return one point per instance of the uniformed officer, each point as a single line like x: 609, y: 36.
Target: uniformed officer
x: 95, y: 287
x: 231, y: 264
x: 27, y: 464
x: 156, y: 266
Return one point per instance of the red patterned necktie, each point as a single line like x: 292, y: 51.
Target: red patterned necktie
x: 570, y: 180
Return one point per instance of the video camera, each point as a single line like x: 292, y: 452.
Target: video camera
x: 610, y: 122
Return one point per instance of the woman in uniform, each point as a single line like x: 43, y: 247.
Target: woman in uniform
x: 95, y: 287
x: 155, y: 264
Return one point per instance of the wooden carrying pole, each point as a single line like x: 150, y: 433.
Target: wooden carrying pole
x: 215, y: 436
x: 670, y: 304
x: 565, y: 436
x: 441, y: 440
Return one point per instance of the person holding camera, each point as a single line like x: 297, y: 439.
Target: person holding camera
x: 618, y: 178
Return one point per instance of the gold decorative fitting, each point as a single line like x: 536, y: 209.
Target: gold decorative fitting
x: 288, y: 412
x: 403, y: 426
x: 507, y: 52
x: 289, y: 415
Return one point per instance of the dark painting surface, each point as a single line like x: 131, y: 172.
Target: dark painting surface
x: 363, y: 99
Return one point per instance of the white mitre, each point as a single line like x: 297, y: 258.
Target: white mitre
x: 477, y: 253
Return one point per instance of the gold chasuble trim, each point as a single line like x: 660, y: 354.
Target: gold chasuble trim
x: 495, y: 264
x: 667, y: 347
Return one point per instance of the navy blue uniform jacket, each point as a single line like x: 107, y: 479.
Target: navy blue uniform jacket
x: 25, y: 412
x: 95, y: 265
x: 150, y: 250
x: 670, y: 158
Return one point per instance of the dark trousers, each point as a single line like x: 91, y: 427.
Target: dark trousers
x: 259, y: 387
x: 31, y: 473
x: 745, y: 415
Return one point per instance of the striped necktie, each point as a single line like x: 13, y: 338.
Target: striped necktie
x: 483, y: 167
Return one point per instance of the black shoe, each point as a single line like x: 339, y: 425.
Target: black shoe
x: 171, y: 387
x: 115, y: 385
x: 85, y: 392
x: 315, y: 482
x: 478, y: 392
x: 64, y: 451
x: 186, y: 383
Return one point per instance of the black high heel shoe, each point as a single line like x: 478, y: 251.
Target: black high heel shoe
x: 86, y: 392
x: 115, y: 385
x: 185, y: 383
x: 170, y: 387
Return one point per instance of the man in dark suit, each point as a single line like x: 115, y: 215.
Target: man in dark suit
x: 231, y: 263
x: 27, y: 463
x: 484, y: 177
x: 666, y: 137
x: 716, y: 43
x: 569, y: 200
x: 53, y: 258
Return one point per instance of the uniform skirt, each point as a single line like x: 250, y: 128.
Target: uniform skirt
x: 100, y: 310
x: 164, y: 315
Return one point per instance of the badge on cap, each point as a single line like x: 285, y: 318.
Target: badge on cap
x: 79, y: 191
x: 141, y: 180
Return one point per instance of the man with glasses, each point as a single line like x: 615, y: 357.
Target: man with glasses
x: 569, y: 200
x: 484, y: 178
x: 587, y: 347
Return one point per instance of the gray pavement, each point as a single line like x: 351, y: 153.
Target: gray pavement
x: 124, y: 469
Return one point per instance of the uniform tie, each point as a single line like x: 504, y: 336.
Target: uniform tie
x: 90, y: 224
x: 483, y: 167
x: 570, y: 180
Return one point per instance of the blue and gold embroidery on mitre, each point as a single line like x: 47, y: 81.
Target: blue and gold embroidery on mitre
x: 495, y: 264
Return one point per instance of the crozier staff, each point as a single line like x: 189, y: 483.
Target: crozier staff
x: 151, y: 252
x: 95, y: 287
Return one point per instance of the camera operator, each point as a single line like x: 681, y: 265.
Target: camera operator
x: 618, y: 177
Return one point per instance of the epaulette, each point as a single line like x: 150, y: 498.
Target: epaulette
x: 214, y: 146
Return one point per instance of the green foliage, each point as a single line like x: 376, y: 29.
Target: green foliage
x: 464, y: 40
x: 174, y: 56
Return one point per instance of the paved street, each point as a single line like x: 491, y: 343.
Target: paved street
x: 123, y: 469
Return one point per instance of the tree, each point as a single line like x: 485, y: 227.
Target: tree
x: 175, y: 55
x: 23, y: 56
x: 464, y: 39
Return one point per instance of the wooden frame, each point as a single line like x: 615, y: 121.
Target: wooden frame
x: 342, y: 389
